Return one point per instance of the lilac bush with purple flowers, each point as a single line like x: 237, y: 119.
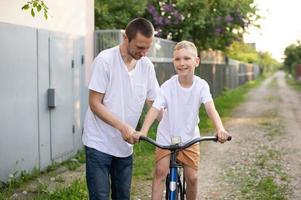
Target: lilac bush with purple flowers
x: 165, y: 17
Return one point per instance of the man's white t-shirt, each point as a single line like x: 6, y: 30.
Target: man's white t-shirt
x: 181, y: 114
x: 125, y: 95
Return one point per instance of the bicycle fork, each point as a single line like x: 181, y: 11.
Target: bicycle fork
x: 173, y: 178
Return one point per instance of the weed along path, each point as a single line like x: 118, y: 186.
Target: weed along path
x: 263, y: 161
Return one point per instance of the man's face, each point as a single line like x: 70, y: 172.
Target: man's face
x: 139, y: 46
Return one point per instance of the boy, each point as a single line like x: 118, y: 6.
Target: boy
x: 181, y: 97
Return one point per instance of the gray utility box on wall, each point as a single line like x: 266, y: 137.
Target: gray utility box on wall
x: 51, y: 97
x: 41, y: 73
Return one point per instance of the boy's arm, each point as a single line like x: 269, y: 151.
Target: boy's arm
x: 150, y: 117
x: 222, y: 134
x: 149, y: 104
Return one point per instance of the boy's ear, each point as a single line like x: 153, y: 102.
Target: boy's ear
x: 198, y: 60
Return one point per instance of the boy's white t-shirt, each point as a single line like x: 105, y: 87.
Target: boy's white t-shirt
x: 181, y: 114
x: 125, y: 95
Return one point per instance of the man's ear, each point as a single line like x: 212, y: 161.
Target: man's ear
x: 125, y: 37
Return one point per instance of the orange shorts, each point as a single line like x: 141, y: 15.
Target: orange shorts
x: 189, y: 156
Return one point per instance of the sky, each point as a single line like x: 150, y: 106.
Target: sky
x: 280, y: 26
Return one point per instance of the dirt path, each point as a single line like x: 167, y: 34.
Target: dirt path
x: 266, y: 141
x: 263, y: 157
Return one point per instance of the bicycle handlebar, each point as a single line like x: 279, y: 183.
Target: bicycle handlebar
x: 184, y: 146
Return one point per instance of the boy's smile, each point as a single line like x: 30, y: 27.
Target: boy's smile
x: 185, y: 61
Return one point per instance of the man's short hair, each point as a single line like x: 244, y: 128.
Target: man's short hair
x: 139, y: 25
x: 186, y: 45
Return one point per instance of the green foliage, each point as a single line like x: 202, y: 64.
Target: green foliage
x: 211, y: 24
x: 76, y: 191
x: 220, y: 22
x: 292, y: 56
x: 243, y: 52
x: 268, y: 64
x: 214, y: 24
x: 247, y: 53
x: 36, y: 6
x: 294, y: 83
x: 114, y: 14
x: 76, y: 161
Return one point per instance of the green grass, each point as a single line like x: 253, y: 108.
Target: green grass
x: 17, y: 180
x: 262, y: 178
x: 259, y: 174
x: 76, y: 191
x: 294, y: 83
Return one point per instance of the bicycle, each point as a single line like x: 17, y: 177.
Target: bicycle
x: 175, y: 187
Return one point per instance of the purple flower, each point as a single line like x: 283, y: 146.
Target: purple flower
x: 229, y: 18
x: 159, y: 20
x: 168, y: 8
x: 167, y: 21
x: 178, y: 16
x: 219, y: 30
x: 151, y: 8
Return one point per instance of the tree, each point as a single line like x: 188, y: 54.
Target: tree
x: 243, y: 52
x: 36, y: 6
x: 292, y: 56
x: 214, y: 24
x: 114, y: 14
x: 247, y: 53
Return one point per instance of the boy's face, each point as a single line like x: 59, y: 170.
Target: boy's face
x: 185, y: 61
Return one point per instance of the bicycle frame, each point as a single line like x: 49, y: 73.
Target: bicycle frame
x: 173, y: 176
x: 173, y: 168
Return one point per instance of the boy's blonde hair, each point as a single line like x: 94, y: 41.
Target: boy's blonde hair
x: 186, y: 45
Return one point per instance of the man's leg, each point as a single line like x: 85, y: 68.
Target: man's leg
x: 97, y: 174
x: 121, y: 177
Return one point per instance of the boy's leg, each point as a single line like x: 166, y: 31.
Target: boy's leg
x: 121, y: 177
x: 97, y: 174
x: 161, y: 171
x: 191, y: 178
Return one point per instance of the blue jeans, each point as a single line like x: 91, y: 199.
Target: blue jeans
x: 100, y: 167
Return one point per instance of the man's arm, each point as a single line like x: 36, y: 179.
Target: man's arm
x: 214, y: 116
x: 97, y: 107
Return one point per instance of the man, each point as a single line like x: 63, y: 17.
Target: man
x: 122, y: 80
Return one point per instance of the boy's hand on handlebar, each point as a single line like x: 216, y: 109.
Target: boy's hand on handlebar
x: 136, y: 136
x: 223, y: 136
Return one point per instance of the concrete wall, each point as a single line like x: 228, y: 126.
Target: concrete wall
x: 33, y: 134
x: 35, y: 55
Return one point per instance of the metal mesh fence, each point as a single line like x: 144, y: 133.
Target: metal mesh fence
x: 220, y: 73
